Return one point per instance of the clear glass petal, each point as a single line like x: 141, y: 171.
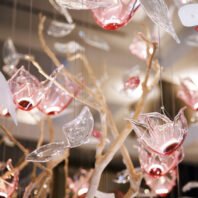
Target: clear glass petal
x: 117, y: 16
x: 157, y: 10
x: 71, y: 47
x: 6, y: 99
x: 190, y: 185
x: 10, y: 55
x: 47, y: 152
x: 59, y: 29
x: 78, y: 131
x: 26, y: 89
x: 94, y: 41
x: 85, y: 4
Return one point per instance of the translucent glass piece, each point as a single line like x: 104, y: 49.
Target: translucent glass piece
x: 159, y: 134
x: 94, y: 41
x: 188, y: 15
x: 138, y: 48
x: 161, y: 186
x: 10, y: 55
x: 8, y: 184
x: 78, y: 131
x: 179, y: 3
x: 122, y: 177
x: 188, y: 92
x: 158, y: 11
x: 117, y: 16
x: 26, y: 89
x: 190, y: 185
x: 56, y: 100
x: 71, y: 47
x: 100, y: 194
x: 47, y: 152
x: 59, y: 29
x: 192, y: 40
x: 85, y: 4
x: 158, y: 165
x: 6, y: 99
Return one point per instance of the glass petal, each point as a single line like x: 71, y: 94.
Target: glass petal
x: 71, y: 47
x: 85, y: 4
x: 94, y: 41
x: 157, y: 10
x: 78, y: 131
x: 100, y: 194
x: 10, y: 55
x: 59, y: 29
x: 6, y: 99
x: 190, y: 185
x: 47, y: 152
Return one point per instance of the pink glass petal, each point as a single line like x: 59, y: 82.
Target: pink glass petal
x: 163, y: 185
x: 117, y: 16
x: 85, y: 4
x: 26, y: 90
x: 188, y: 92
x: 156, y: 132
x: 138, y: 48
x: 55, y: 99
x: 157, y: 165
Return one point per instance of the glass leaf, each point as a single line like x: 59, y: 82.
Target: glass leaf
x: 100, y: 194
x: 94, y: 41
x: 71, y: 47
x: 59, y: 29
x: 158, y: 11
x: 85, y: 4
x: 10, y: 55
x: 6, y: 99
x: 188, y: 15
x: 47, y: 152
x: 78, y: 131
x: 190, y: 185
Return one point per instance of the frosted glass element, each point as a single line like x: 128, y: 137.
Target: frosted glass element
x: 94, y: 41
x: 71, y: 47
x: 117, y: 16
x: 100, y: 194
x: 190, y: 185
x: 47, y: 152
x: 85, y: 4
x: 188, y: 15
x: 59, y: 29
x: 6, y: 99
x: 26, y: 89
x: 158, y: 11
x: 163, y: 185
x: 188, y: 92
x: 192, y: 40
x: 78, y: 131
x: 158, y: 165
x: 159, y: 134
x: 122, y: 177
x: 138, y: 48
x: 8, y: 184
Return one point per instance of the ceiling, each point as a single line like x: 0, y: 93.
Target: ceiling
x: 21, y: 24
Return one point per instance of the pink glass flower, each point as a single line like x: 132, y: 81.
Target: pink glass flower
x: 9, y: 184
x: 159, y: 134
x: 161, y: 186
x: 57, y: 100
x: 158, y: 165
x: 188, y: 92
x: 26, y: 89
x: 114, y: 17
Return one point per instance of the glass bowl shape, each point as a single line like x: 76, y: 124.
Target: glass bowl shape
x: 117, y: 16
x: 163, y: 185
x: 159, y: 134
x: 158, y: 165
x: 26, y: 89
x: 56, y: 100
